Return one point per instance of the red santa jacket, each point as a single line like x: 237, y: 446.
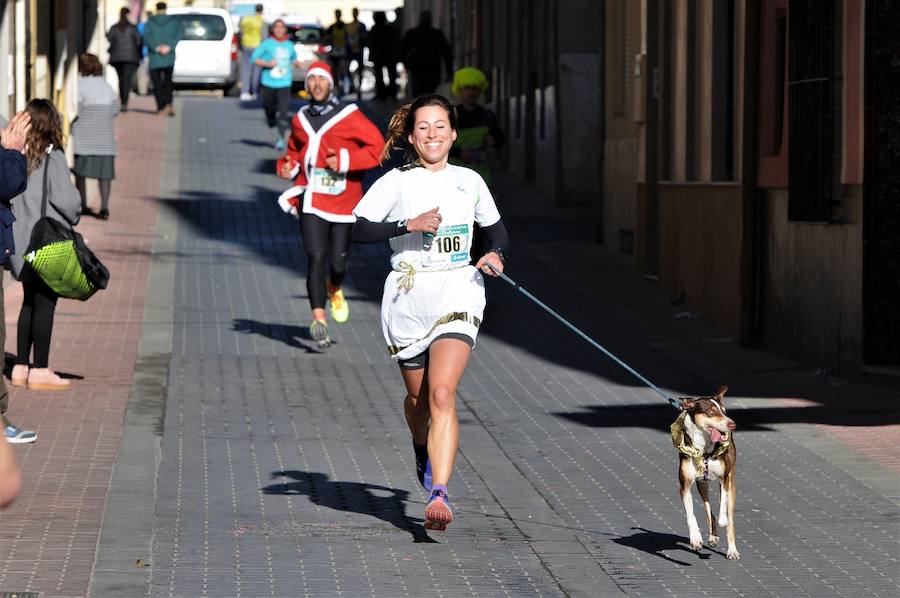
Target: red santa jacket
x: 331, y: 195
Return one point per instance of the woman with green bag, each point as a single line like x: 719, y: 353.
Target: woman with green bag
x: 46, y: 166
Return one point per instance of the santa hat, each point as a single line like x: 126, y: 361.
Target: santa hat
x: 323, y: 69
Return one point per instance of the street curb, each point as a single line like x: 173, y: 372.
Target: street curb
x: 123, y: 559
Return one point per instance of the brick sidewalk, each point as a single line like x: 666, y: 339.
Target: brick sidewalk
x: 48, y: 537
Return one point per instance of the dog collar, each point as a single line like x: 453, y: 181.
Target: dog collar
x: 701, y: 460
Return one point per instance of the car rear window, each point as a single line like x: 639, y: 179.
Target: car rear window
x: 202, y: 27
x: 307, y: 35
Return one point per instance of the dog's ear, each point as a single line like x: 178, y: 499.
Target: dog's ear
x: 720, y: 394
x: 687, y: 403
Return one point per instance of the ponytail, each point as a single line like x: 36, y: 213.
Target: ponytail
x: 396, y: 130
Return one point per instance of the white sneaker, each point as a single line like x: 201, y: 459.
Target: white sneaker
x: 246, y: 97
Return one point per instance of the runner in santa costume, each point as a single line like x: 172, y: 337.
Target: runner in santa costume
x: 332, y: 145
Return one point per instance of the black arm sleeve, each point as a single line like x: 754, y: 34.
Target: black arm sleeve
x: 366, y: 231
x: 496, y: 237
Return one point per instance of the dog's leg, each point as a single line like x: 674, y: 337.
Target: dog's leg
x: 729, y: 497
x: 686, y: 475
x: 703, y: 488
x: 723, y: 502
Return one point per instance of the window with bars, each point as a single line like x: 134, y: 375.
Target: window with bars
x: 813, y: 82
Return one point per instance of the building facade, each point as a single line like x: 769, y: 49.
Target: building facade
x: 39, y: 45
x: 742, y: 151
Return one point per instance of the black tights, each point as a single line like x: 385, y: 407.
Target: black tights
x: 323, y: 239
x: 105, y: 188
x: 276, y: 102
x: 125, y: 71
x: 36, y: 321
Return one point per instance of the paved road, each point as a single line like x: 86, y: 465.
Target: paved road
x: 287, y: 471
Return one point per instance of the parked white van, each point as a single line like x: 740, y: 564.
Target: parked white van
x: 207, y: 55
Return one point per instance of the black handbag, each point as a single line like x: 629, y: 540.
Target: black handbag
x: 61, y: 258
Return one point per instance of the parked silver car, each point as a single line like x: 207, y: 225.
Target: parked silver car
x: 309, y: 48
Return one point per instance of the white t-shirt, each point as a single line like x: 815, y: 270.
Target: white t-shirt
x: 462, y: 197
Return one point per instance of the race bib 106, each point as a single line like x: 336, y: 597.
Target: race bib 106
x: 328, y: 182
x: 450, y: 246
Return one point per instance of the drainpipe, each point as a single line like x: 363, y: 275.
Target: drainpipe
x: 601, y: 145
x: 755, y: 247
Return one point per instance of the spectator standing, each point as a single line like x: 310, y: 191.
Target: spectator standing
x: 336, y: 36
x: 252, y: 28
x: 124, y: 53
x: 356, y: 43
x: 13, y: 179
x: 276, y: 55
x: 423, y: 49
x: 46, y: 166
x: 161, y: 36
x: 478, y: 132
x: 384, y: 43
x: 93, y: 133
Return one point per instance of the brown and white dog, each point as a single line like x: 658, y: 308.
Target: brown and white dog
x: 703, y: 436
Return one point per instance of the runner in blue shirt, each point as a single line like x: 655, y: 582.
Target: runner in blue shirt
x: 276, y: 56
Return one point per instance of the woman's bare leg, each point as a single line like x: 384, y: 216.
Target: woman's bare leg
x: 447, y: 361
x: 416, y: 410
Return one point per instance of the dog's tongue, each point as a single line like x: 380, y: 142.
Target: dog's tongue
x: 715, y: 434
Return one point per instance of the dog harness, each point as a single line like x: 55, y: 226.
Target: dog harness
x: 701, y: 460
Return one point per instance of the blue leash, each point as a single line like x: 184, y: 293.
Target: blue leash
x: 571, y: 327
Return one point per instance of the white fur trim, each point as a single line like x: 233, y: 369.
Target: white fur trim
x: 285, y: 205
x: 321, y: 72
x: 315, y: 137
x: 309, y: 209
x: 344, y: 162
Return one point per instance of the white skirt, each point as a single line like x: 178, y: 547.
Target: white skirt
x: 448, y: 301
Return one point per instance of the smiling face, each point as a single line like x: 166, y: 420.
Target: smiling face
x: 279, y: 29
x: 318, y: 87
x: 432, y: 136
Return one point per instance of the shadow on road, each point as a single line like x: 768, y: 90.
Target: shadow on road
x: 656, y: 542
x: 753, y: 419
x: 255, y: 143
x: 283, y: 333
x: 353, y: 497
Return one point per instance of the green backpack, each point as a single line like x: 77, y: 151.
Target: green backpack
x: 61, y: 258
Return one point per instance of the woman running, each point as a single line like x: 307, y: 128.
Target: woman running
x: 331, y: 147
x: 276, y: 56
x: 433, y: 299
